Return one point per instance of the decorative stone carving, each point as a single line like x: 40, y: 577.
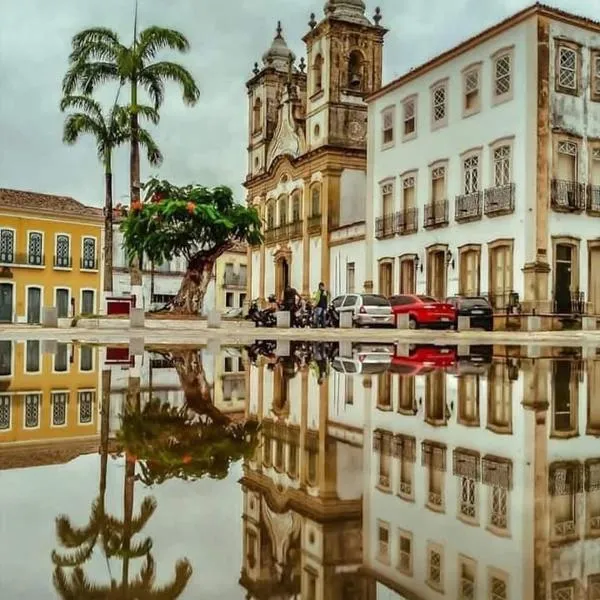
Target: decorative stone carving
x: 288, y: 138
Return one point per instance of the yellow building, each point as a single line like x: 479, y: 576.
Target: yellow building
x: 49, y: 256
x: 231, y: 279
x: 48, y: 402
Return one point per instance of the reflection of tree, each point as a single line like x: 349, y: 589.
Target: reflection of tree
x: 116, y: 535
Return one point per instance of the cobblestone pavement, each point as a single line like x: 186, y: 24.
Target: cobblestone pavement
x: 196, y: 332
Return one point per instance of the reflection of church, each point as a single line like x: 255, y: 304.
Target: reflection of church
x: 302, y: 491
x: 307, y: 153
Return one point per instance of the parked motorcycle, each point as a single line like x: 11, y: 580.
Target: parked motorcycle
x: 261, y: 318
x: 332, y: 317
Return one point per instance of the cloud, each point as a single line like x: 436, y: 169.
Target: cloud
x: 205, y: 143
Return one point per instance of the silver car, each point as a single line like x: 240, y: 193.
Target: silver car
x: 366, y: 309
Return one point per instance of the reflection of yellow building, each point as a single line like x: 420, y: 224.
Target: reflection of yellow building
x: 230, y: 274
x: 49, y: 256
x: 48, y: 401
x: 229, y: 391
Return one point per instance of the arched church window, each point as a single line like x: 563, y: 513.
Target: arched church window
x: 318, y: 73
x: 355, y: 76
x: 283, y: 210
x: 296, y: 208
x: 257, y: 115
x: 270, y: 215
x: 315, y: 202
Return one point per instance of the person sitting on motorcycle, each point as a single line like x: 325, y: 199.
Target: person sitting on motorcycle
x: 271, y: 304
x: 321, y: 302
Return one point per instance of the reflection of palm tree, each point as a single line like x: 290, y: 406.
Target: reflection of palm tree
x: 116, y: 535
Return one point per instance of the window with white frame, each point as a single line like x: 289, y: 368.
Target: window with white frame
x: 498, y: 507
x: 471, y: 174
x: 271, y: 215
x: 567, y: 68
x: 35, y: 248
x: 435, y: 567
x: 5, y: 412
x: 438, y: 100
x: 567, y: 160
x: 438, y: 184
x: 468, y: 498
x: 387, y: 198
x: 32, y: 410
x: 383, y: 541
x: 467, y: 574
x: 388, y: 126
x: 350, y: 278
x: 86, y: 358
x: 7, y: 246
x: 6, y: 350
x: 408, y: 192
x: 405, y: 552
x: 59, y: 409
x: 498, y: 588
x: 502, y: 75
x: 595, y: 174
x: 410, y: 117
x: 88, y: 260
x: 61, y: 358
x: 32, y: 356
x: 471, y: 90
x: 63, y: 251
x: 86, y: 405
x: 501, y: 166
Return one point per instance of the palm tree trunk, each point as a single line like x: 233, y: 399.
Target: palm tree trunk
x: 134, y: 183
x: 108, y: 227
x: 104, y: 428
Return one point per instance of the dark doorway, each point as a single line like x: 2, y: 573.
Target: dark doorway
x: 563, y: 278
x: 34, y: 305
x: 6, y: 302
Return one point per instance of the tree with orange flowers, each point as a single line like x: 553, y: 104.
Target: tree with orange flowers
x: 193, y: 221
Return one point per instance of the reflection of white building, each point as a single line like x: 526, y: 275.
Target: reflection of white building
x: 485, y: 483
x: 302, y: 490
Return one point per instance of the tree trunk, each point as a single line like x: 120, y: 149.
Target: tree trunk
x: 104, y: 428
x: 108, y: 229
x: 190, y: 297
x: 196, y: 389
x: 134, y: 181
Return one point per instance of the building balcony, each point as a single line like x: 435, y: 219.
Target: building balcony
x: 436, y: 214
x: 86, y: 264
x: 63, y: 262
x: 22, y: 260
x: 270, y: 236
x: 593, y: 200
x: 385, y: 226
x: 567, y: 196
x: 237, y: 280
x: 571, y: 303
x: 500, y: 200
x: 407, y: 221
x: 468, y: 207
x: 314, y: 224
x: 295, y: 229
x: 505, y: 301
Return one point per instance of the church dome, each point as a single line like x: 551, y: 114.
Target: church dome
x: 278, y: 55
x: 346, y: 10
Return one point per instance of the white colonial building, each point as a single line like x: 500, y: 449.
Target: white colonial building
x: 484, y: 169
x: 307, y: 153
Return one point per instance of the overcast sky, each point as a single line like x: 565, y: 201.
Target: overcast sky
x: 205, y: 144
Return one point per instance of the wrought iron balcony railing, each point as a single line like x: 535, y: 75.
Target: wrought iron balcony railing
x: 314, y: 224
x: 296, y: 229
x: 468, y: 207
x: 63, y: 262
x: 500, y: 200
x: 385, y: 226
x: 570, y: 303
x: 21, y: 259
x: 593, y: 200
x: 436, y: 214
x: 88, y: 264
x: 234, y: 279
x: 567, y: 196
x: 407, y: 221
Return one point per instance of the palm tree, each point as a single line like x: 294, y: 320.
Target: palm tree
x: 98, y: 56
x: 110, y: 131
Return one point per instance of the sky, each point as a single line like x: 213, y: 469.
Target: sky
x: 205, y: 144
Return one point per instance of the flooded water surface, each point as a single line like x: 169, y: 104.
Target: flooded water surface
x: 294, y: 470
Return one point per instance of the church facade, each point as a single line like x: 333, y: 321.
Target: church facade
x: 307, y: 154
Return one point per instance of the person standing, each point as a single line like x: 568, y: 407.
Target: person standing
x: 321, y: 302
x: 290, y: 303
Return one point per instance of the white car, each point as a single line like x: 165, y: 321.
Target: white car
x: 366, y: 309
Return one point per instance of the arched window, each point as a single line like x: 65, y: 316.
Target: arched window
x: 355, y: 75
x: 318, y: 73
x: 283, y: 210
x: 271, y: 215
x: 296, y: 208
x: 315, y: 202
x: 257, y: 116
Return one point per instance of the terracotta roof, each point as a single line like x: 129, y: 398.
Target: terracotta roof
x: 483, y: 36
x: 49, y: 452
x: 48, y: 204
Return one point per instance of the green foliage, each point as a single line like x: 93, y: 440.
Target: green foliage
x: 186, y: 221
x: 170, y: 444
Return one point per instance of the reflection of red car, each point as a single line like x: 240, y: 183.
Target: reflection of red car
x: 424, y: 311
x: 423, y: 359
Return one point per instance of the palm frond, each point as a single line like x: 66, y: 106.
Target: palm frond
x: 93, y: 74
x: 170, y: 71
x: 153, y: 39
x: 153, y: 153
x: 85, y: 104
x: 154, y: 86
x: 174, y: 589
x: 148, y: 112
x: 72, y: 537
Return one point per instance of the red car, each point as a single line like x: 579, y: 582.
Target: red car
x: 423, y: 359
x: 424, y: 311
